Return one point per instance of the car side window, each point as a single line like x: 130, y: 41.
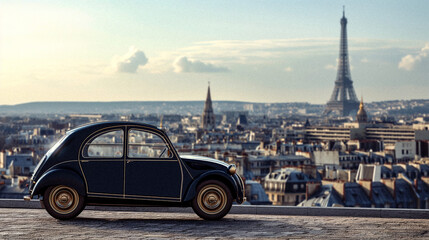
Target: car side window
x: 106, y: 145
x: 143, y: 144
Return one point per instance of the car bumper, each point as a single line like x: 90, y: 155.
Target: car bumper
x: 240, y: 198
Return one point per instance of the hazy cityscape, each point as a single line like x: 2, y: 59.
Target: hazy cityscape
x: 345, y: 153
x: 289, y: 153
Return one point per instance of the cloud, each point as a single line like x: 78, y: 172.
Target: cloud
x: 229, y: 53
x: 258, y: 51
x: 235, y: 53
x: 410, y: 61
x: 131, y: 61
x: 331, y: 67
x: 288, y: 69
x: 183, y: 64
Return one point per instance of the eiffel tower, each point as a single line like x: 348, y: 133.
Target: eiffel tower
x: 343, y: 100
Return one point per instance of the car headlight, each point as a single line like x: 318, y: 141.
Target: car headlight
x: 232, y: 169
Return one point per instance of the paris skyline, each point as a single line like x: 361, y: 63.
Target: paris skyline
x: 264, y: 51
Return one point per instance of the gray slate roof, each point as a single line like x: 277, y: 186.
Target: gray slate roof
x: 355, y: 196
x: 381, y: 195
x: 325, y: 197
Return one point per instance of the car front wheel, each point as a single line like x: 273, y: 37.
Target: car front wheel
x: 213, y: 200
x: 63, y: 202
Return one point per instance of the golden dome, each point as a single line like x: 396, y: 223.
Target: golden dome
x: 361, y: 116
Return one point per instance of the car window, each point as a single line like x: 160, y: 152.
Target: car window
x: 106, y: 145
x: 143, y: 144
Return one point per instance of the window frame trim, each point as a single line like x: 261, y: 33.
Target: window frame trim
x: 129, y: 129
x: 92, y: 138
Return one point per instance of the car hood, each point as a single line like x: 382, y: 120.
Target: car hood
x: 209, y: 161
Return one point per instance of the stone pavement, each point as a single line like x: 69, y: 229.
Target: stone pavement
x: 37, y: 224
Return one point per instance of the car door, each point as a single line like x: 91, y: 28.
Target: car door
x: 102, y: 162
x: 152, y: 171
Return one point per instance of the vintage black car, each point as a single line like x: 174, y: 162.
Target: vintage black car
x: 127, y: 163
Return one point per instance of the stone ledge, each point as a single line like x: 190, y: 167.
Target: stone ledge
x: 256, y: 210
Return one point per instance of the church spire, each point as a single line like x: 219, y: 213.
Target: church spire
x: 208, y: 98
x: 208, y: 118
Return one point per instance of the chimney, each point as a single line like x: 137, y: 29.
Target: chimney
x: 367, y: 187
x: 311, y: 188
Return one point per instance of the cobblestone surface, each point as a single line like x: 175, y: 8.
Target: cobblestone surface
x: 37, y: 224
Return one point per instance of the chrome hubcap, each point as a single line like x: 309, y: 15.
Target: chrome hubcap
x: 212, y: 199
x: 63, y: 199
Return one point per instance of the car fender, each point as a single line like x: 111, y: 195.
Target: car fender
x: 216, y: 174
x: 60, y: 177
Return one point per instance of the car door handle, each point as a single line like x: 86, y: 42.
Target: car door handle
x: 128, y: 161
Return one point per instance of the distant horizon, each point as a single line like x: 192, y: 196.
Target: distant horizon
x: 148, y: 101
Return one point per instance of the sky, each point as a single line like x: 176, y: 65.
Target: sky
x: 258, y: 51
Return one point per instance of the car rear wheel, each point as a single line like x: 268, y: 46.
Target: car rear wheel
x: 213, y: 200
x: 63, y: 202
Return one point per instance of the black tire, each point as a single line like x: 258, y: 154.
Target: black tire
x: 63, y: 202
x: 212, y: 201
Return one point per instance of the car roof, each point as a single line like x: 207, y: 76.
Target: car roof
x: 106, y: 124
